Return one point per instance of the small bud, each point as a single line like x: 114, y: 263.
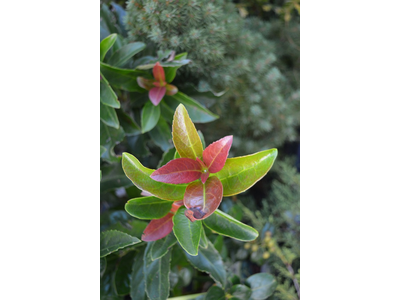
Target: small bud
x: 266, y: 255
x: 254, y: 248
x: 270, y: 244
x: 247, y: 246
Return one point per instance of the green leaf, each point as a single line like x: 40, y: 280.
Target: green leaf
x: 113, y: 177
x: 128, y: 124
x: 166, y: 112
x: 167, y: 156
x: 123, y: 274
x: 150, y: 116
x: 161, y: 135
x: 241, y: 173
x: 156, y: 275
x: 184, y: 135
x: 161, y: 247
x: 203, y: 142
x: 203, y: 238
x: 106, y: 44
x: 113, y: 240
x: 208, y: 260
x: 103, y: 265
x: 109, y: 116
x: 224, y: 224
x: 107, y: 94
x: 122, y: 55
x: 197, y: 112
x: 102, y: 150
x: 170, y: 72
x: 140, y: 176
x: 148, y: 208
x: 138, y: 289
x: 215, y: 293
x: 187, y: 233
x: 109, y: 137
x: 176, y: 155
x: 262, y: 285
x: 240, y: 292
x: 106, y: 281
x: 123, y: 79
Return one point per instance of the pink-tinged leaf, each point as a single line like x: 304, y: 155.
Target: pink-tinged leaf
x: 180, y: 170
x: 156, y: 94
x: 146, y: 194
x: 184, y: 135
x: 215, y: 155
x: 157, y: 229
x: 205, y: 173
x: 176, y: 205
x: 147, y: 84
x: 171, y: 89
x: 158, y: 73
x: 201, y: 200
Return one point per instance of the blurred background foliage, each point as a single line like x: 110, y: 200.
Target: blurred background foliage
x: 245, y: 68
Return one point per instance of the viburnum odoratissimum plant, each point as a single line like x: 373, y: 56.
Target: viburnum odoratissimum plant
x: 186, y: 192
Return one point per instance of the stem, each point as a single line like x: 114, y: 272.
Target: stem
x: 296, y: 284
x: 187, y: 297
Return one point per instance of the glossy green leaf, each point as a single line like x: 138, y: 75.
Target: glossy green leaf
x: 161, y: 135
x: 215, y: 293
x: 203, y: 142
x: 170, y: 72
x: 113, y: 177
x: 122, y: 277
x: 208, y: 260
x: 106, y: 44
x: 203, y: 238
x: 149, y: 117
x: 140, y: 176
x: 187, y: 233
x: 113, y: 240
x: 107, y: 94
x: 262, y: 285
x: 106, y: 281
x: 123, y: 79
x: 241, y: 173
x: 166, y: 112
x: 128, y: 124
x: 156, y: 275
x: 137, y: 285
x: 148, y: 208
x: 109, y: 137
x: 109, y: 116
x: 161, y: 247
x: 197, y: 112
x: 224, y: 224
x: 184, y: 135
x: 122, y: 55
x: 240, y: 292
x: 102, y: 150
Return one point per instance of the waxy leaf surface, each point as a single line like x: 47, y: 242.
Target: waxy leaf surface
x: 161, y: 247
x: 215, y: 293
x: 109, y: 116
x: 156, y: 94
x: 262, y: 285
x: 124, y: 79
x: 148, y: 208
x: 215, y: 155
x: 201, y: 200
x: 149, y: 117
x: 241, y: 173
x: 107, y: 94
x: 224, y: 224
x: 158, y: 228
x: 113, y: 240
x: 156, y: 275
x: 180, y: 170
x: 208, y: 260
x: 240, y: 292
x: 184, y: 135
x: 122, y: 55
x: 106, y: 44
x: 140, y: 176
x: 187, y: 233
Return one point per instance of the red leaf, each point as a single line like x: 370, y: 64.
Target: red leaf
x: 180, y: 170
x: 205, y: 173
x: 201, y: 200
x: 215, y: 154
x: 157, y: 229
x: 156, y: 94
x: 158, y: 73
x: 145, y: 83
x: 171, y: 89
x: 176, y: 205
